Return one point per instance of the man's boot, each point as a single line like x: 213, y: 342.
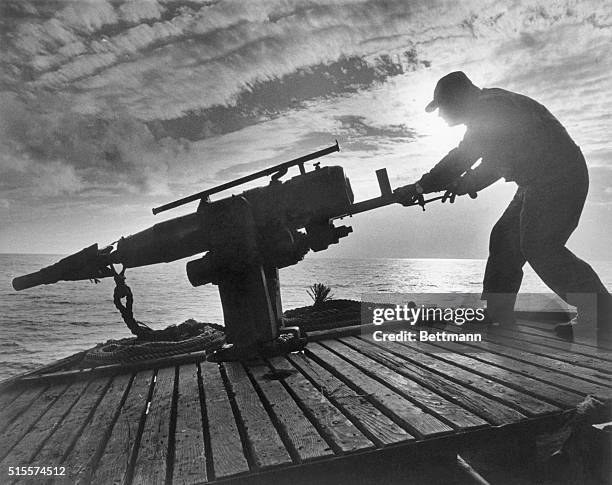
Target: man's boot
x: 500, y: 309
x: 566, y: 330
x: 593, y: 321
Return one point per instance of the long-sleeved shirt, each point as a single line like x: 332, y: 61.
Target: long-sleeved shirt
x: 516, y: 137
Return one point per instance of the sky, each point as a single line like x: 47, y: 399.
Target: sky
x: 110, y: 108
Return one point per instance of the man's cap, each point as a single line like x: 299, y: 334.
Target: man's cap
x: 450, y: 88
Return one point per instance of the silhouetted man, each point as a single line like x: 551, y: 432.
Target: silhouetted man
x: 520, y: 140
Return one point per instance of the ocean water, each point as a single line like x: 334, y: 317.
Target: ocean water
x: 47, y: 323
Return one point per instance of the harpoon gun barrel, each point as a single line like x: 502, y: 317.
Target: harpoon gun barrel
x: 90, y: 263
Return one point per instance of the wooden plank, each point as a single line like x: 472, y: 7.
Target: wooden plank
x: 525, y: 328
x: 189, y: 449
x: 114, y: 464
x: 541, y: 390
x: 389, y: 402
x: 374, y: 424
x: 517, y: 361
x: 546, y: 329
x: 18, y: 428
x: 534, y: 346
x: 150, y: 466
x: 7, y: 396
x: 263, y: 441
x: 27, y: 448
x: 491, y: 410
x: 88, y: 448
x: 448, y: 412
x: 337, y: 428
x: 534, y: 323
x: 546, y: 339
x: 583, y: 373
x: 524, y: 403
x: 306, y: 441
x: 114, y: 369
x: 20, y: 404
x: 527, y: 331
x: 225, y: 444
x: 60, y: 442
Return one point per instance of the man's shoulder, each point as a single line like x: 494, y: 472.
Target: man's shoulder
x: 496, y: 104
x: 497, y: 97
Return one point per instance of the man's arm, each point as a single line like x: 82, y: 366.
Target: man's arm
x: 476, y: 180
x: 455, y: 163
x: 472, y: 182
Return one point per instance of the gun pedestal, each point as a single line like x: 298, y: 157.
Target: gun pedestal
x: 252, y: 313
x: 250, y: 317
x: 243, y: 263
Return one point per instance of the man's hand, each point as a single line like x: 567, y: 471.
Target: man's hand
x: 460, y: 186
x: 406, y: 195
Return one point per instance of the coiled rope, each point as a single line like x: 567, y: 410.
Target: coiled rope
x: 131, y: 350
x: 149, y: 344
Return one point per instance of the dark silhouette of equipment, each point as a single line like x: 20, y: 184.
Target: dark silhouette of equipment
x: 246, y: 238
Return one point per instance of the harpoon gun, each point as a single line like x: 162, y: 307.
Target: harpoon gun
x: 245, y: 239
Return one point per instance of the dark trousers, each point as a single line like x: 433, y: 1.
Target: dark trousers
x: 535, y: 228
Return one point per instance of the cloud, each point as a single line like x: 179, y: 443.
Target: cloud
x: 164, y: 61
x: 151, y: 99
x: 136, y: 11
x: 600, y: 190
x: 65, y: 152
x: 193, y: 57
x: 23, y: 177
x: 112, y: 90
x: 355, y: 134
x: 265, y: 100
x: 56, y: 178
x: 361, y: 134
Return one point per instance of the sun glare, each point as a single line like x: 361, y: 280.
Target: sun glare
x: 435, y: 136
x: 438, y: 134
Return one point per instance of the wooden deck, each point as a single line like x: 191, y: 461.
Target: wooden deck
x: 347, y: 405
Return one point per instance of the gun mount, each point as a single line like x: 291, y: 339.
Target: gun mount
x: 246, y: 238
